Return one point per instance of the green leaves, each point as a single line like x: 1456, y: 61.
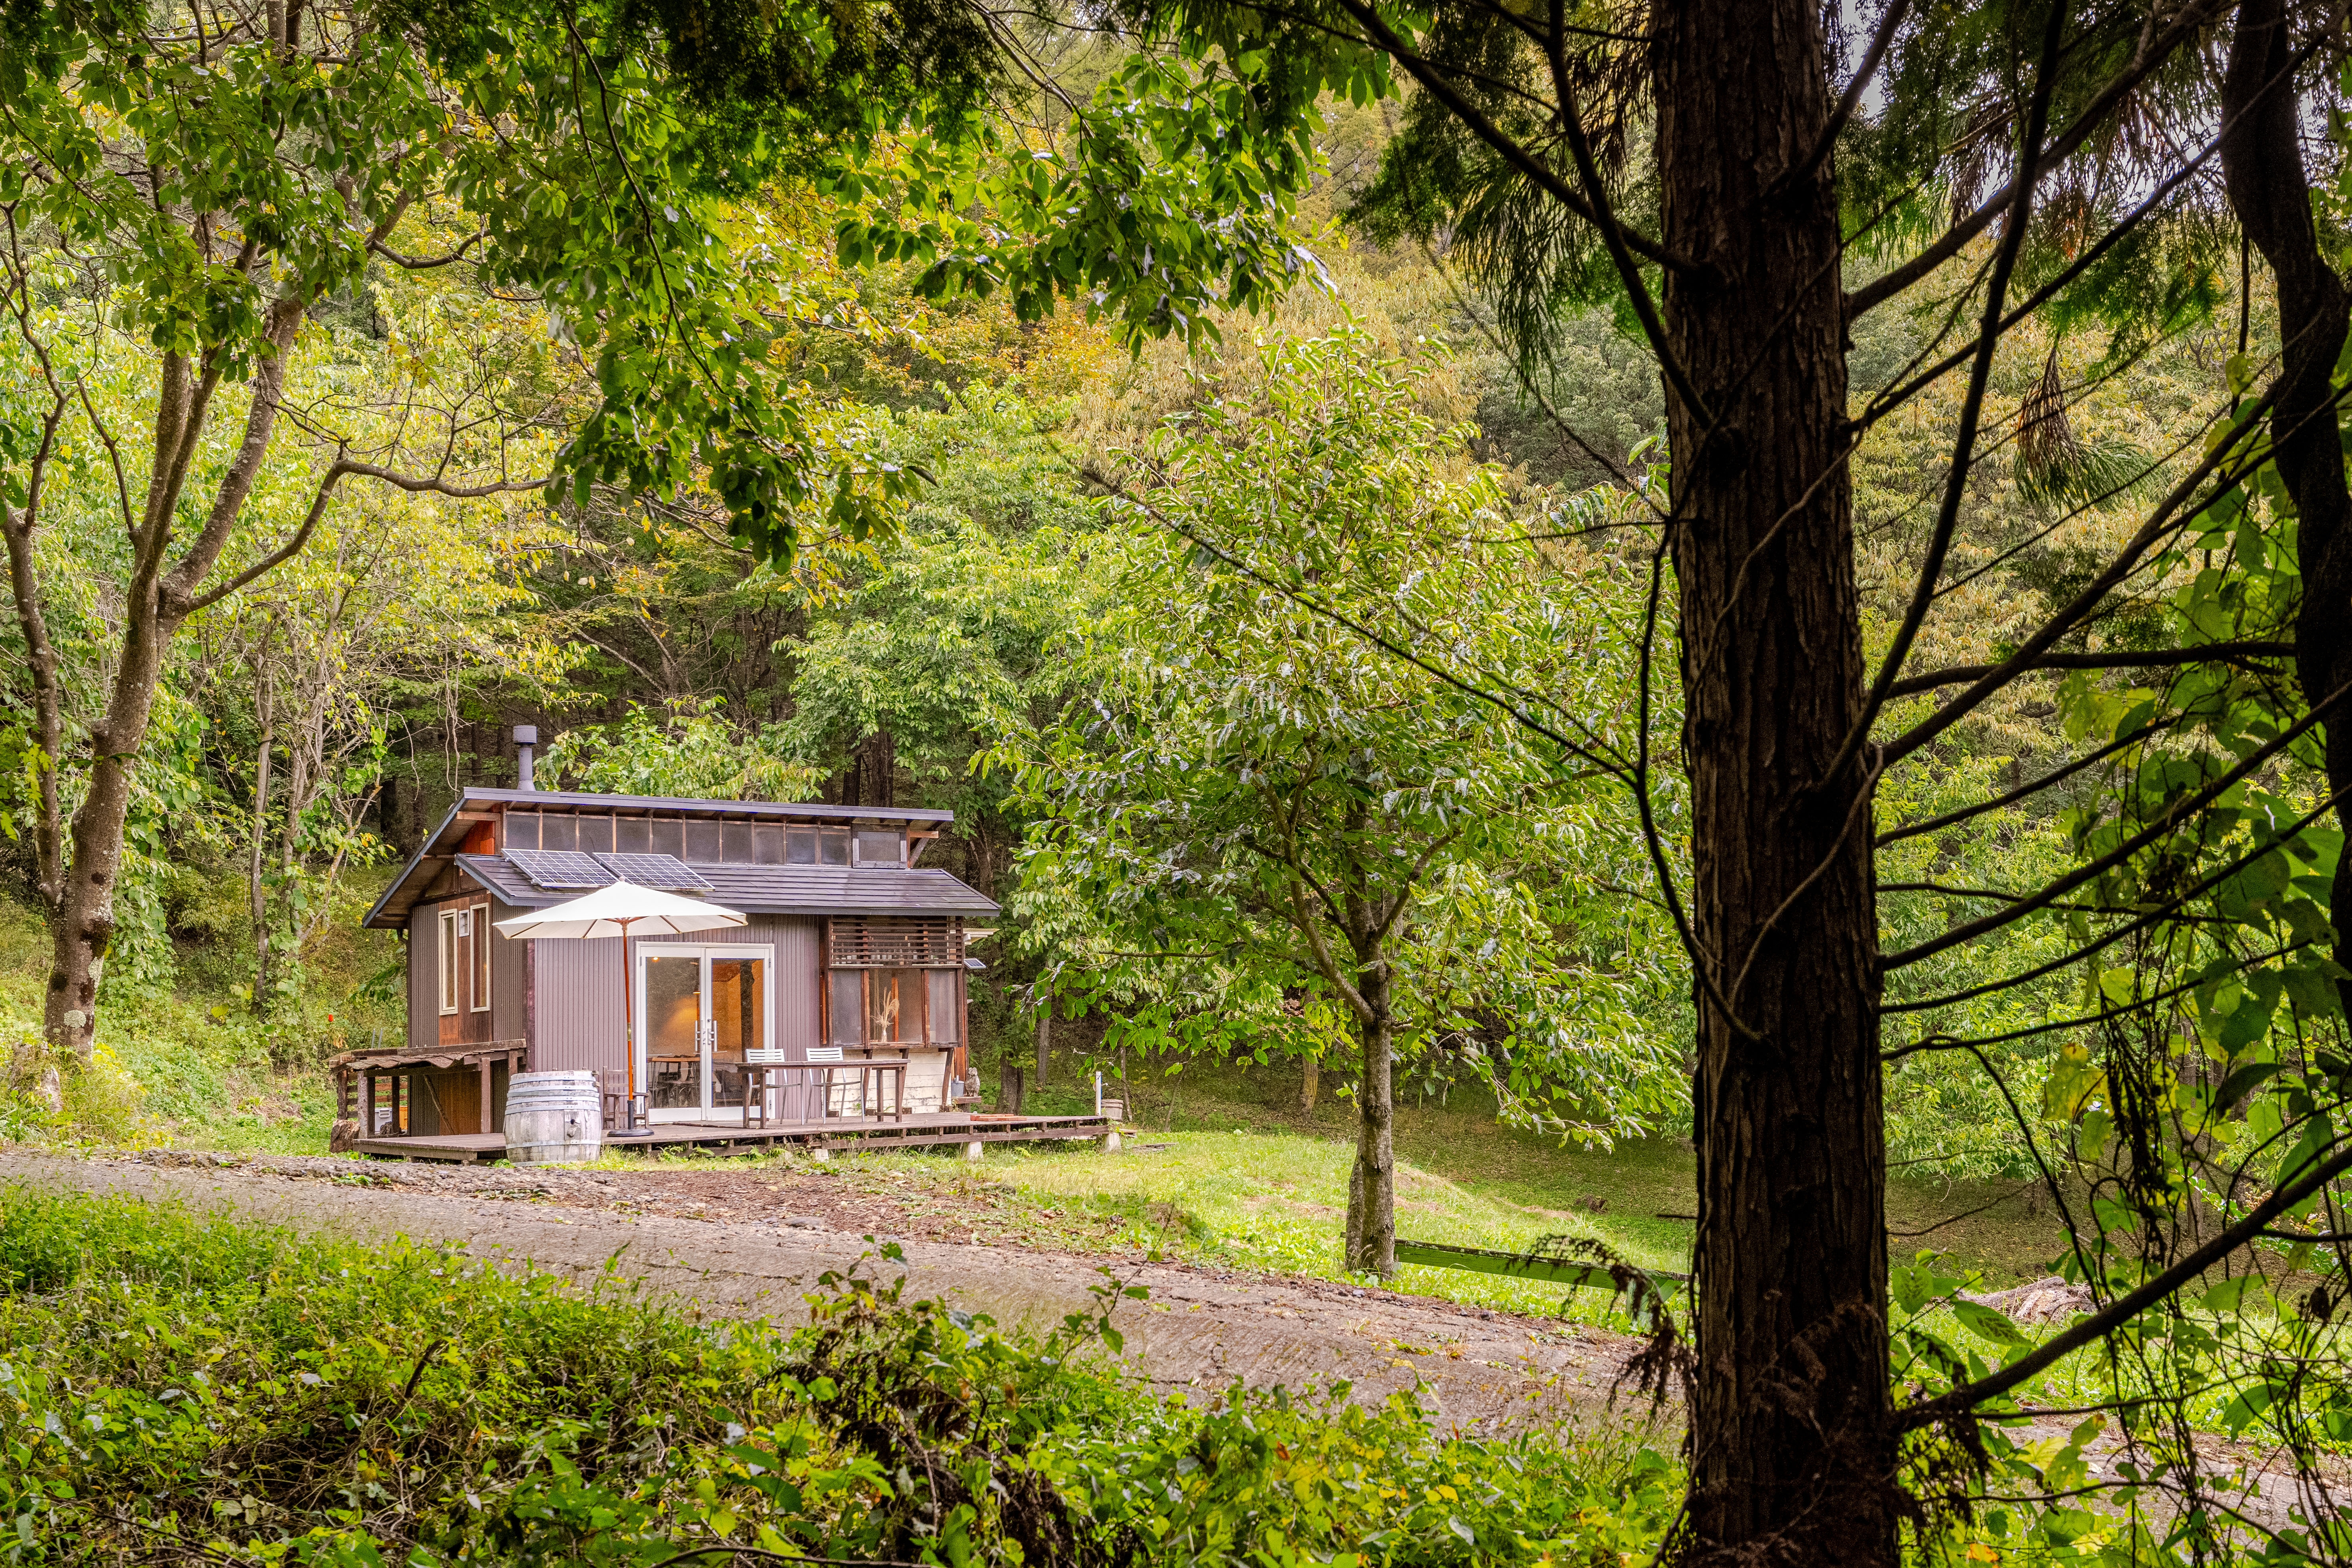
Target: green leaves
x: 691, y: 751
x: 600, y: 162
x: 1988, y: 1323
x: 1246, y: 774
x: 1167, y: 195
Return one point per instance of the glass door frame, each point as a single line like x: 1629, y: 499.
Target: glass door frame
x: 643, y: 950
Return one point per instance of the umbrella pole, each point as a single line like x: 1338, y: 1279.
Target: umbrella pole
x: 628, y: 1031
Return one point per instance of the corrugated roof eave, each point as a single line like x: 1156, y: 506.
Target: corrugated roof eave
x: 771, y: 890
x: 816, y: 810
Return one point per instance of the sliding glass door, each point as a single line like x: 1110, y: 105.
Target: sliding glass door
x: 699, y: 1010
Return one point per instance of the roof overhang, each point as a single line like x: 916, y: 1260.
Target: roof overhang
x: 684, y: 805
x: 442, y: 845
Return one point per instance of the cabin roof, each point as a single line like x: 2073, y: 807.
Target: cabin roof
x: 473, y: 808
x: 776, y: 889
x: 809, y: 811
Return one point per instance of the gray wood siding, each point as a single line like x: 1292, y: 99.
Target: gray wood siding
x: 508, y: 996
x: 575, y: 1005
x: 799, y: 945
x: 565, y: 996
x: 424, y: 977
x: 794, y: 978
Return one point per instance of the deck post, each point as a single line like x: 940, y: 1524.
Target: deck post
x: 1111, y: 1143
x: 821, y: 1154
x: 971, y: 1150
x: 367, y: 1103
x: 486, y: 1091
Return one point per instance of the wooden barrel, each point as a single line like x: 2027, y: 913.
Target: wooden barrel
x: 553, y: 1118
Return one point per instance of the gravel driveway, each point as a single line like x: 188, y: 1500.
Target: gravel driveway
x: 750, y: 1243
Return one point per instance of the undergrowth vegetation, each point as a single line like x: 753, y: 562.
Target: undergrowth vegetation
x: 180, y: 1389
x: 181, y: 1057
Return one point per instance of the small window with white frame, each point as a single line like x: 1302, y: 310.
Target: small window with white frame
x: 449, y: 962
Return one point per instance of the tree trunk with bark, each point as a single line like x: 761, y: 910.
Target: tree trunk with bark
x: 1792, y: 1449
x: 1045, y: 1036
x: 1371, y: 1184
x: 160, y: 595
x: 1310, y: 1082
x: 2263, y: 170
x: 257, y: 888
x: 82, y: 931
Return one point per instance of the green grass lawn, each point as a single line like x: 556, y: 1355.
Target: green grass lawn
x: 1247, y: 1176
x: 1221, y: 1169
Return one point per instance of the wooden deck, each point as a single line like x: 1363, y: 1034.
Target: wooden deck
x: 840, y: 1132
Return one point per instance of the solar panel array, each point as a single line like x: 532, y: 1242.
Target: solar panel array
x: 665, y: 871
x: 561, y: 870
x: 574, y: 870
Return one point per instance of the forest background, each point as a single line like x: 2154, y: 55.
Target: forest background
x: 1297, y: 667
x: 312, y: 727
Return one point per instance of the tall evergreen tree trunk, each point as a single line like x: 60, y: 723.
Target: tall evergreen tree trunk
x: 2262, y: 169
x: 1792, y: 1449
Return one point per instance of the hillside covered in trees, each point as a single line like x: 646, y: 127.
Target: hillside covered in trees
x: 1766, y: 576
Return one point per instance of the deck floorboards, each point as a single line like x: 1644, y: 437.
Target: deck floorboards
x: 838, y: 1132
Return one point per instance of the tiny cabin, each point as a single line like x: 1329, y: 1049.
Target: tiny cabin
x: 853, y: 945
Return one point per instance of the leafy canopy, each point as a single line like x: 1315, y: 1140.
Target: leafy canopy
x: 1247, y: 775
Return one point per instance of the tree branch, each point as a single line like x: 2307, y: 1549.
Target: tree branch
x: 1886, y: 402
x: 2035, y: 786
x: 2149, y: 659
x: 1964, y: 441
x: 2122, y: 566
x: 1312, y: 930
x: 1537, y: 171
x: 2190, y: 19
x: 2123, y: 1308
x: 327, y: 484
x: 1612, y: 234
x: 1943, y: 1042
x: 228, y: 502
x: 2165, y: 910
x: 1850, y: 100
x: 417, y: 264
x: 2172, y: 817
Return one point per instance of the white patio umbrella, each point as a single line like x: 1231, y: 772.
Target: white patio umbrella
x: 623, y: 910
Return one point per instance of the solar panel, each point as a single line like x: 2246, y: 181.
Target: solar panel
x: 560, y: 871
x: 665, y: 871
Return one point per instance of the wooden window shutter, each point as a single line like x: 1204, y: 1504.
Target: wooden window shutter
x: 896, y: 942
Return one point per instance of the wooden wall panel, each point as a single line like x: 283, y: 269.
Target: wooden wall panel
x: 447, y: 1100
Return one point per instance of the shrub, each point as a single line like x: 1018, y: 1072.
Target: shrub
x: 179, y: 1388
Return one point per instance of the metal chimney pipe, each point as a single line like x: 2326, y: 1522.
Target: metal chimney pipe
x: 526, y: 736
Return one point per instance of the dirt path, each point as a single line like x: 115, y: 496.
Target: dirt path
x: 749, y: 1243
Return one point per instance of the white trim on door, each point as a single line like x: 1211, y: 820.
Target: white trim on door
x: 706, y: 952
